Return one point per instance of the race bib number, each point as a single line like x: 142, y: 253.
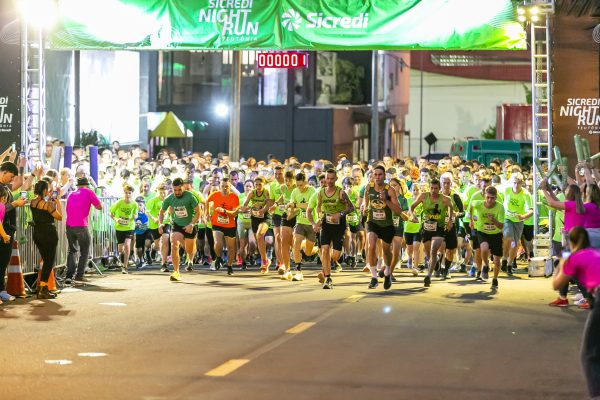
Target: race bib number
x: 122, y: 221
x: 181, y: 212
x: 489, y: 227
x: 329, y: 220
x: 378, y: 215
x: 282, y: 207
x: 223, y: 219
x: 396, y: 221
x: 430, y: 226
x: 352, y: 218
x: 247, y: 215
x: 511, y: 214
x: 258, y: 214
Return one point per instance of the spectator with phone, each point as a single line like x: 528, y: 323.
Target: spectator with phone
x: 583, y: 265
x: 45, y: 209
x: 8, y: 173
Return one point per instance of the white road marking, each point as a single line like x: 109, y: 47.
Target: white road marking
x: 113, y: 304
x: 92, y: 354
x: 59, y: 362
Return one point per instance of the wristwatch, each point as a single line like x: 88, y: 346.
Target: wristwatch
x: 342, y: 214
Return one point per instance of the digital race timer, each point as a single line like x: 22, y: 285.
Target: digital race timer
x: 288, y: 59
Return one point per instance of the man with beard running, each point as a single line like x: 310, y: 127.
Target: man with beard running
x: 436, y: 207
x: 333, y: 204
x: 185, y: 213
x: 381, y: 203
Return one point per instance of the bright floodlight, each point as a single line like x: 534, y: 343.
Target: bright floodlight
x: 40, y: 13
x: 535, y: 18
x: 534, y: 11
x: 221, y: 110
x: 521, y: 11
x: 521, y: 18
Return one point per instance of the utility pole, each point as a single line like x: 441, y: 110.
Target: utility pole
x: 374, y: 142
x: 234, y: 119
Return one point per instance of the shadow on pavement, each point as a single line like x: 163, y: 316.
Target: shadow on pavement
x: 45, y: 310
x: 472, y: 297
x: 399, y: 292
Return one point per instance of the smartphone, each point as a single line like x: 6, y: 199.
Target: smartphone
x: 55, y: 195
x: 24, y: 195
x: 566, y: 254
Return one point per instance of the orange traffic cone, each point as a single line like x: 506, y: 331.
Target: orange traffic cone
x: 15, y: 284
x: 51, y: 281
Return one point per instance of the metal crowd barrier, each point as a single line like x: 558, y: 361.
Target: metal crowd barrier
x: 103, y: 244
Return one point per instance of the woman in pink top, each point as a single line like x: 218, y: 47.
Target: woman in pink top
x: 573, y: 206
x: 583, y: 265
x: 592, y: 213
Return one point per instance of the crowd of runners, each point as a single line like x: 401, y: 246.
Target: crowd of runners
x: 200, y: 211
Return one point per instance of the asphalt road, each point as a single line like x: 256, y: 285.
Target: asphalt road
x: 249, y: 336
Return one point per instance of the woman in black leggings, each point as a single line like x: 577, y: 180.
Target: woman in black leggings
x: 45, y: 208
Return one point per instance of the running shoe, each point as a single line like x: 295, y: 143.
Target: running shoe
x: 4, y: 296
x: 485, y: 273
x: 287, y: 276
x: 281, y: 270
x: 81, y: 279
x: 559, y: 303
x: 124, y: 270
x: 494, y: 283
x: 393, y: 278
x: 175, y: 276
x: 321, y: 277
x: 509, y: 270
x: 387, y: 282
x: 164, y: 268
x: 328, y: 284
x: 427, y: 281
x: 472, y: 271
x: 415, y: 272
x: 338, y: 267
x: 367, y: 269
x: 504, y: 267
x: 463, y: 268
x: 212, y: 267
x: 444, y: 273
x: 189, y: 268
x: 584, y: 304
x: 455, y: 268
x: 205, y: 261
x: 244, y: 265
x: 381, y: 272
x: 264, y: 268
x: 437, y: 273
x: 577, y: 297
x: 229, y: 270
x: 68, y: 282
x: 298, y: 277
x: 373, y: 284
x: 218, y: 263
x: 421, y: 267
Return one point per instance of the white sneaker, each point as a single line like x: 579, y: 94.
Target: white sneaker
x: 4, y: 296
x: 287, y: 276
x: 455, y: 268
x: 580, y: 301
x: 577, y: 297
x: 297, y: 277
x: 415, y: 272
x: 212, y: 267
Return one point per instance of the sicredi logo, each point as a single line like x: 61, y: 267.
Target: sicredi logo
x: 292, y: 20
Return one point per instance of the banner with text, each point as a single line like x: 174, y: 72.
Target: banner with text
x: 10, y: 84
x: 288, y: 25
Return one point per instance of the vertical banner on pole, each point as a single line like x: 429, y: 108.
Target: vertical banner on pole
x: 10, y: 84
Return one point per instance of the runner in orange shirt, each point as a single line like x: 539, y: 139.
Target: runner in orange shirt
x: 225, y: 205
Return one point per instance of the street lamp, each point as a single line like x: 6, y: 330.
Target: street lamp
x: 221, y: 110
x: 531, y: 13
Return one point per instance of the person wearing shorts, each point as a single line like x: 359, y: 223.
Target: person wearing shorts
x: 161, y: 240
x: 303, y: 231
x: 286, y: 229
x: 123, y: 213
x: 143, y: 237
x: 489, y: 222
x: 398, y: 222
x: 185, y: 213
x: 436, y: 207
x: 518, y: 204
x: 226, y: 206
x: 334, y: 205
x: 247, y: 243
x: 276, y: 212
x: 451, y: 238
x: 258, y: 203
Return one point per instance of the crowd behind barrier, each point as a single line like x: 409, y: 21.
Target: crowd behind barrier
x: 103, y: 243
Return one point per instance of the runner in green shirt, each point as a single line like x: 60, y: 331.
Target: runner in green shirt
x: 185, y: 213
x: 488, y: 218
x: 303, y: 231
x: 519, y: 206
x: 161, y: 240
x: 123, y: 213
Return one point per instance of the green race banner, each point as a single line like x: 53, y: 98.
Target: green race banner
x: 288, y: 25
